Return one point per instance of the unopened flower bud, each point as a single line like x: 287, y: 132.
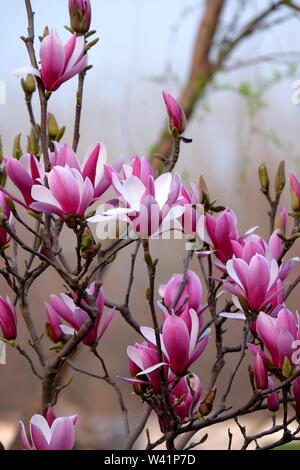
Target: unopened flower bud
x: 207, y: 405
x: 80, y: 15
x: 3, y: 177
x: 281, y: 221
x: 264, y: 178
x: 17, y: 150
x: 60, y: 133
x: 52, y: 126
x: 176, y: 114
x: 295, y: 193
x: 87, y: 243
x: 8, y: 319
x: 260, y: 373
x: 280, y: 178
x: 287, y: 369
x: 273, y: 402
x: 33, y: 141
x: 29, y: 86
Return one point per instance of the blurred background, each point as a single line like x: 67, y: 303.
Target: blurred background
x: 243, y: 115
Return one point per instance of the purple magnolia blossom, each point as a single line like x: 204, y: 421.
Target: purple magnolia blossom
x: 190, y: 298
x: 60, y: 63
x: 273, y: 402
x: 144, y: 366
x: 185, y: 396
x: 185, y: 399
x: 24, y: 173
x: 64, y: 307
x: 87, y: 181
x: 94, y: 165
x: 254, y: 285
x: 146, y: 206
x: 245, y: 248
x: 181, y: 346
x: 49, y: 433
x: 219, y: 232
x: 260, y: 373
x: 68, y: 193
x: 8, y: 319
x: 139, y: 167
x: 278, y: 335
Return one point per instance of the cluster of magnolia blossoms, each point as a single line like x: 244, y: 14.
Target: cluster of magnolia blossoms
x: 182, y: 342
x: 254, y: 272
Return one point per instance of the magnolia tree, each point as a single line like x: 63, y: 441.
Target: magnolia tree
x: 242, y: 277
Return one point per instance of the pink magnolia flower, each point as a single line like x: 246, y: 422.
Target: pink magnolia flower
x: 252, y: 285
x: 24, y: 173
x: 181, y: 347
x: 246, y: 247
x: 60, y: 63
x: 64, y: 307
x: 49, y: 433
x: 80, y: 15
x: 4, y: 210
x: 219, y: 233
x: 93, y: 167
x: 144, y: 366
x: 278, y: 335
x: 139, y: 167
x: 175, y: 112
x: 190, y: 298
x: 146, y: 207
x: 185, y: 399
x: 8, y: 319
x: 68, y: 193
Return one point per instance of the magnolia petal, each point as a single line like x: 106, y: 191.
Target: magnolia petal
x: 233, y: 315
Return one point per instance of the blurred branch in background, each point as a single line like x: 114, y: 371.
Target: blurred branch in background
x: 211, y: 55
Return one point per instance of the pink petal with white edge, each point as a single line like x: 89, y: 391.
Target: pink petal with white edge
x: 40, y: 432
x: 194, y: 330
x: 151, y: 369
x: 24, y: 437
x: 135, y: 356
x: 162, y: 188
x: 106, y: 323
x: 63, y: 434
x: 132, y: 190
x: 43, y: 195
x: 233, y: 315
